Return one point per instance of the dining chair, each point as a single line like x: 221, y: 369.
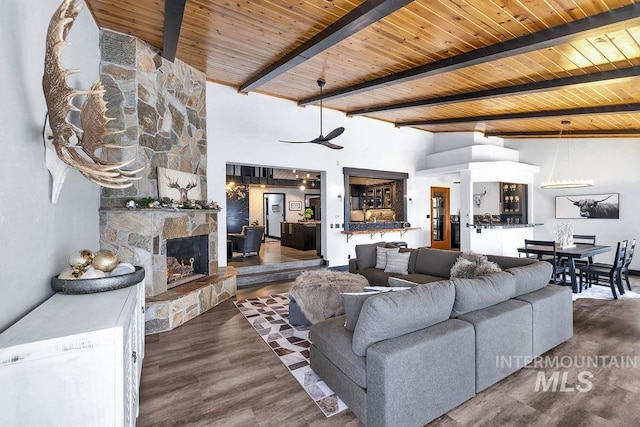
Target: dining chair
x: 584, y: 239
x: 627, y: 261
x: 559, y: 272
x: 606, y: 273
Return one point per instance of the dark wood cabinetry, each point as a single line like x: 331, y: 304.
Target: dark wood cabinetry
x: 513, y: 203
x: 299, y: 235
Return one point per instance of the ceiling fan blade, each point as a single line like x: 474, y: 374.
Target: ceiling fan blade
x: 333, y: 134
x: 330, y: 145
x: 313, y: 141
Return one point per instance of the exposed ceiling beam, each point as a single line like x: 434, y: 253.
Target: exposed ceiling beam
x: 173, y: 13
x: 522, y: 89
x: 574, y: 133
x: 359, y: 18
x: 607, y: 109
x: 604, y: 22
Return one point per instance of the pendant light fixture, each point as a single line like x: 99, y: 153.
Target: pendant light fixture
x: 559, y: 181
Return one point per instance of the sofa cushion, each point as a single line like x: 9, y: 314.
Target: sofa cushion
x: 382, y: 255
x: 397, y: 263
x: 353, y: 302
x: 508, y: 261
x: 482, y: 292
x: 334, y: 342
x: 435, y: 262
x: 367, y: 255
x: 412, y: 258
x: 375, y: 276
x: 392, y: 314
x: 531, y: 277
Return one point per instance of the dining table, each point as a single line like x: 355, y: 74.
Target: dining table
x: 571, y: 253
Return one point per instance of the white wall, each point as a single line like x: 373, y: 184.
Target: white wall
x: 490, y: 202
x: 612, y: 163
x: 245, y: 129
x: 36, y: 237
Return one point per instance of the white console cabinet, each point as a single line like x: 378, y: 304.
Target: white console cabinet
x: 75, y: 360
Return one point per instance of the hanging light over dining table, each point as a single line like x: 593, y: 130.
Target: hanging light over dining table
x: 558, y: 181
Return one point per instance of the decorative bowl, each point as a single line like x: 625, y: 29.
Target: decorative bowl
x: 91, y: 286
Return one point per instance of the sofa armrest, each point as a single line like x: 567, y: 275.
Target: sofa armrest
x: 417, y: 377
x: 353, y: 265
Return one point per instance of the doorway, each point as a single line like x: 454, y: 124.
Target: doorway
x: 273, y: 214
x: 440, y: 222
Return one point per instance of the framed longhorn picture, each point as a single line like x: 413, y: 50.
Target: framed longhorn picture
x: 179, y: 186
x: 588, y: 206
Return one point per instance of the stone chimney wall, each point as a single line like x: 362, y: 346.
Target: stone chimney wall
x: 158, y: 109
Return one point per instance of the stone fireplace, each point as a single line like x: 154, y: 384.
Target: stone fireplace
x: 187, y: 259
x: 158, y: 109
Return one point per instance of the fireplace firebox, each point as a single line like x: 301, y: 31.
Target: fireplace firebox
x: 187, y: 259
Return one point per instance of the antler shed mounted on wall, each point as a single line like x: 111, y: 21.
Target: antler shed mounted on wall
x: 76, y: 146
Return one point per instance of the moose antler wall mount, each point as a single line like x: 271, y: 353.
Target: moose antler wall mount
x: 67, y: 145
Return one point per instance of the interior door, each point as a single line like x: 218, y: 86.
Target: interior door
x: 273, y: 210
x: 440, y: 222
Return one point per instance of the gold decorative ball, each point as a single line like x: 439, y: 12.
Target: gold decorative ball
x: 105, y: 261
x: 81, y: 258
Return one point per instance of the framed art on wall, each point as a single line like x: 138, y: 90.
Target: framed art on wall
x: 179, y: 186
x: 295, y: 206
x: 588, y: 206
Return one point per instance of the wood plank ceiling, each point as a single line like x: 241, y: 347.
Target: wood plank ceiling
x: 503, y: 67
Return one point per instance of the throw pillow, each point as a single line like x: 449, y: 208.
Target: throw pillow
x: 382, y: 254
x: 470, y: 265
x: 353, y: 302
x: 366, y: 255
x: 398, y: 263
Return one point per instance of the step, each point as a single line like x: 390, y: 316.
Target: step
x: 251, y: 269
x: 273, y: 275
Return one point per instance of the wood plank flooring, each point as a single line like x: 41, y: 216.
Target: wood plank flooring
x: 216, y: 371
x: 271, y: 252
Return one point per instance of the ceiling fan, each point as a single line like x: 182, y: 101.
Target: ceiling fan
x: 322, y: 140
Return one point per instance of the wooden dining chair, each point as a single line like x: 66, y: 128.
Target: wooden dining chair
x: 559, y: 272
x: 610, y: 274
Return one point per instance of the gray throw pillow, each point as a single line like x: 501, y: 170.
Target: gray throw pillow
x: 366, y: 255
x: 352, y: 302
x: 382, y: 254
x: 398, y: 263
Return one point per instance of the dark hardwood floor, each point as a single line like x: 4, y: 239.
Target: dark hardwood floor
x: 216, y: 371
x: 272, y: 252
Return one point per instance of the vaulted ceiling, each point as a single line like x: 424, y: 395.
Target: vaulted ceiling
x: 503, y: 67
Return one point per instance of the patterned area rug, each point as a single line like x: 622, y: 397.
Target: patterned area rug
x: 269, y: 316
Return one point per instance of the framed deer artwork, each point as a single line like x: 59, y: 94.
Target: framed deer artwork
x: 179, y: 186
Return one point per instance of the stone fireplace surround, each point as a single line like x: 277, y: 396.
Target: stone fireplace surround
x: 158, y: 109
x: 139, y: 236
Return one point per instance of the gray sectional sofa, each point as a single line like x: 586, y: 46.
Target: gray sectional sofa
x: 410, y: 356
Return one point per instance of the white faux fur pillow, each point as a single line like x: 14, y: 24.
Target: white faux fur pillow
x: 470, y: 265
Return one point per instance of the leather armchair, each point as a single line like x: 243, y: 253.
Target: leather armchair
x: 250, y: 240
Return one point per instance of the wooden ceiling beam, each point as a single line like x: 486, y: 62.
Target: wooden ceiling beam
x: 607, y: 109
x: 523, y: 89
x: 604, y: 22
x: 173, y: 13
x: 361, y: 17
x: 631, y: 133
